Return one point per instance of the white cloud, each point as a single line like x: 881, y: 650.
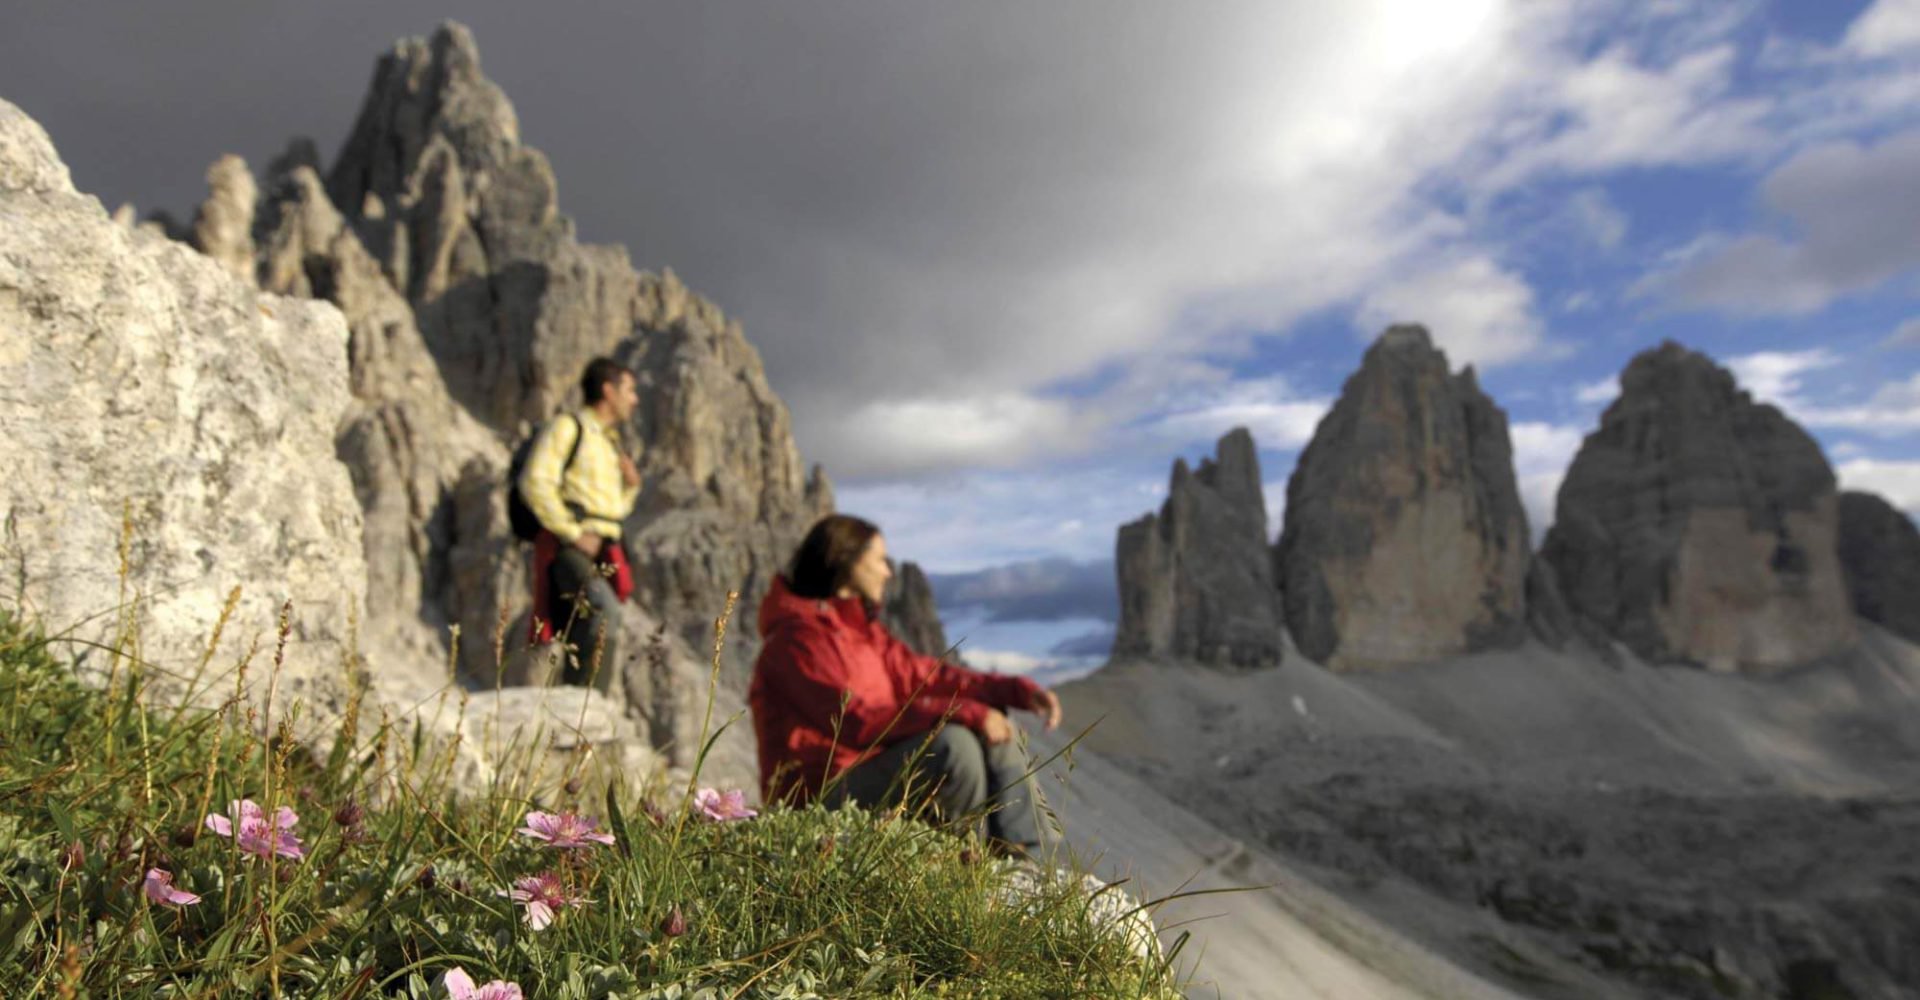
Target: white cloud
x: 1541, y: 454
x: 1907, y: 334
x: 907, y: 436
x: 975, y: 519
x: 1887, y: 27
x: 1595, y: 214
x: 1854, y: 218
x: 1617, y: 110
x: 1277, y: 423
x: 1596, y: 393
x: 1898, y: 481
x: 1893, y: 410
x: 1775, y: 376
x: 1275, y: 493
x: 1478, y: 312
x: 1003, y: 661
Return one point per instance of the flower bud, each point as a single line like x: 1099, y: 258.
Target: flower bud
x: 350, y: 814
x: 73, y: 857
x: 675, y: 924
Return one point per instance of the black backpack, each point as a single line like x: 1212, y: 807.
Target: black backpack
x: 526, y: 525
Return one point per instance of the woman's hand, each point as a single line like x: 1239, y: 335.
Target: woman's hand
x: 995, y: 729
x: 1048, y: 704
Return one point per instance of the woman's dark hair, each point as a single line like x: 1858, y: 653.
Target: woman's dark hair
x: 824, y: 561
x: 600, y: 372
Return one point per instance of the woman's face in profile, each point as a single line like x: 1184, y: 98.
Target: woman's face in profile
x: 871, y: 572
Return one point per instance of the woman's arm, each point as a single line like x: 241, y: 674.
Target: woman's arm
x: 932, y: 676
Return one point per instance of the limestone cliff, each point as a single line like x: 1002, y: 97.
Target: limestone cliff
x: 1698, y: 526
x: 1880, y: 554
x: 142, y: 387
x: 1195, y: 580
x: 1404, y: 536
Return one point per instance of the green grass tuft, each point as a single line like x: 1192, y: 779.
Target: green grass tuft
x: 96, y: 788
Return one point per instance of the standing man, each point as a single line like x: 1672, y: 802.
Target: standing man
x: 580, y: 572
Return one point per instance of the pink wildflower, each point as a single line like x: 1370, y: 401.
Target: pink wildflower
x: 542, y: 895
x: 564, y: 830
x: 723, y: 806
x: 247, y: 823
x: 159, y: 888
x: 460, y: 987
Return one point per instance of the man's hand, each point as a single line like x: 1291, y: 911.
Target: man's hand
x: 629, y: 472
x: 589, y: 543
x: 1048, y: 704
x: 995, y: 729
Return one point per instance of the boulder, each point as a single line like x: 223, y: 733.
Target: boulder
x: 1196, y: 583
x: 1698, y: 526
x: 170, y: 433
x: 1404, y: 538
x: 1880, y: 555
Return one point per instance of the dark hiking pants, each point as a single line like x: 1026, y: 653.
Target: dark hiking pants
x: 585, y: 609
x: 960, y: 774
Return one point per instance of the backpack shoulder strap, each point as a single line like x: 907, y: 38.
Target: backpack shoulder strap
x: 579, y: 431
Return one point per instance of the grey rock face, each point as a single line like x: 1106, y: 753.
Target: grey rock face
x: 1405, y: 539
x: 726, y: 498
x: 910, y: 613
x: 1699, y: 526
x: 436, y: 555
x: 1880, y: 555
x: 1195, y: 581
x: 474, y: 310
x: 141, y: 384
x: 466, y: 224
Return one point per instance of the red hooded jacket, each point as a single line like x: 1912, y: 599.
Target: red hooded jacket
x: 818, y: 655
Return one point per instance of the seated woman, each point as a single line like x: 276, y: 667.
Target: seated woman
x: 840, y: 706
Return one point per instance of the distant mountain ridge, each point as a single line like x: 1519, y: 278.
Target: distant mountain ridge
x: 1694, y: 526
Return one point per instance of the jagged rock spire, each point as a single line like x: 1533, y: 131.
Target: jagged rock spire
x: 1195, y: 580
x: 1405, y: 539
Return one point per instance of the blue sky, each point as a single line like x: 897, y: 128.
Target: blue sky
x: 1006, y: 261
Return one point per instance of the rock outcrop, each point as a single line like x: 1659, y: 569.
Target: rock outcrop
x: 1405, y: 539
x: 464, y: 222
x: 910, y: 613
x: 1880, y: 555
x: 726, y: 497
x: 1698, y: 526
x: 1196, y: 583
x: 406, y: 443
x: 143, y: 388
x: 223, y: 228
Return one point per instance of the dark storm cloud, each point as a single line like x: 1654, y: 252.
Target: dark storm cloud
x: 879, y: 191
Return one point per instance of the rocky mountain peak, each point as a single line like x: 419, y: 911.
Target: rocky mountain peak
x: 1880, y: 554
x: 1699, y: 526
x: 1405, y: 539
x: 911, y: 613
x: 1195, y: 581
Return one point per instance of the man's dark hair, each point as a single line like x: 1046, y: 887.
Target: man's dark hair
x: 600, y: 372
x: 824, y: 561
